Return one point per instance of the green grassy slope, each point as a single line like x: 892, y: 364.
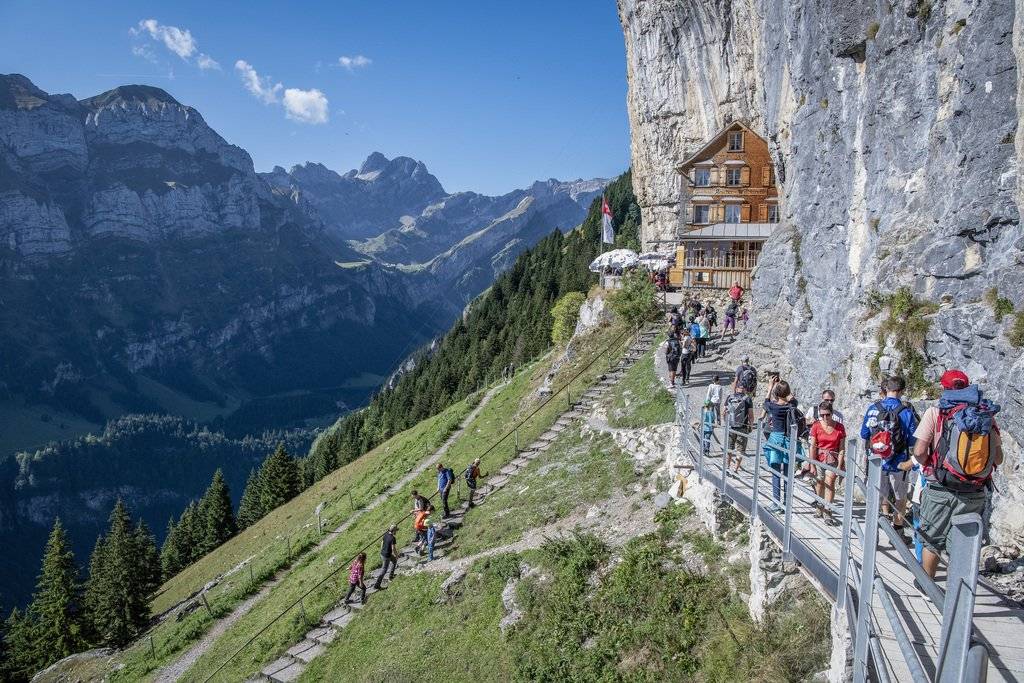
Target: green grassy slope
x: 513, y: 402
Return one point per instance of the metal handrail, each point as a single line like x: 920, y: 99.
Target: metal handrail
x: 960, y: 658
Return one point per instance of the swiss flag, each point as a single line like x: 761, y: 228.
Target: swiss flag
x: 607, y: 233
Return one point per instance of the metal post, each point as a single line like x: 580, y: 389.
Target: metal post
x: 206, y: 603
x: 251, y: 579
x: 844, y: 554
x: 152, y: 648
x: 725, y: 452
x: 288, y: 540
x: 787, y: 533
x: 958, y: 610
x: 867, y: 574
x: 757, y: 469
x: 517, y: 442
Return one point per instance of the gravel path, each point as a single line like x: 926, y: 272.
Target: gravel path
x: 177, y: 669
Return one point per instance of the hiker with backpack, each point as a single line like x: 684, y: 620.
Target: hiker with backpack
x: 746, y: 377
x: 686, y: 358
x: 388, y: 556
x: 731, y: 313
x: 828, y: 446
x: 673, y: 352
x: 471, y: 474
x: 708, y: 421
x: 445, y: 479
x: 355, y: 579
x: 419, y: 527
x: 420, y: 502
x: 675, y: 320
x: 781, y: 410
x: 958, y: 446
x: 738, y: 413
x: 888, y: 430
x: 702, y: 336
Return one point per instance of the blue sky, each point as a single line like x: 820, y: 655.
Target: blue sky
x: 490, y: 95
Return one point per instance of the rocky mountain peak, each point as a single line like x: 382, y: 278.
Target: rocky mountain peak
x: 18, y: 92
x: 375, y: 162
x: 147, y: 95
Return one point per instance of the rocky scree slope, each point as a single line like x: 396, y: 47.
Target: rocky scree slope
x: 894, y: 129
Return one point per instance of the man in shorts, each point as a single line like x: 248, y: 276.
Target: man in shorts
x: 893, y: 489
x: 939, y: 503
x: 738, y: 412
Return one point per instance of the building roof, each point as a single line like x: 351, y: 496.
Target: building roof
x: 731, y: 231
x: 711, y: 141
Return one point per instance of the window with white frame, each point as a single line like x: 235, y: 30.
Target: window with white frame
x: 701, y: 213
x: 732, y: 176
x: 732, y: 213
x: 702, y: 177
x: 773, y: 213
x: 736, y: 141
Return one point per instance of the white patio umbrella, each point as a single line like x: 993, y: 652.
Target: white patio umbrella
x: 616, y: 258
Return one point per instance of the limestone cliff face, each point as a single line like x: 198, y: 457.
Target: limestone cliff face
x: 894, y: 129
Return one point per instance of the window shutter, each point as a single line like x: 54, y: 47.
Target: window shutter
x: 714, y: 175
x: 692, y: 175
x: 745, y: 175
x: 766, y: 176
x: 745, y: 213
x: 719, y: 214
x: 689, y: 213
x: 762, y: 213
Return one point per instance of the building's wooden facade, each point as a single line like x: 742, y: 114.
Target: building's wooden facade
x: 728, y: 206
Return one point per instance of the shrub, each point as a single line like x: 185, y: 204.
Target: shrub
x: 907, y: 325
x: 1001, y: 306
x: 634, y: 302
x: 1016, y: 332
x: 564, y: 314
x: 873, y: 30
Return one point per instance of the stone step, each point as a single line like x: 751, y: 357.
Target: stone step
x: 337, y: 613
x: 508, y: 469
x: 520, y: 462
x: 499, y: 480
x: 283, y: 670
x: 324, y: 635
x: 306, y: 651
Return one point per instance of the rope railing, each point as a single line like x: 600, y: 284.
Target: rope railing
x: 629, y: 333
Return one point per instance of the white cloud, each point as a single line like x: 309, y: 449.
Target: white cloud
x: 177, y: 40
x: 354, y: 62
x: 262, y: 88
x: 144, y: 52
x: 305, y: 106
x: 205, y: 62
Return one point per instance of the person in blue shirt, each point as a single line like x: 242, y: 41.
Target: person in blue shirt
x: 709, y: 419
x: 445, y: 479
x: 431, y: 535
x: 893, y: 489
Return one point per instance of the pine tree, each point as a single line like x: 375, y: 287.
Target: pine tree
x: 280, y: 479
x: 55, y: 605
x: 20, y: 643
x: 121, y: 580
x: 188, y: 535
x: 217, y: 518
x: 171, y: 561
x: 148, y: 572
x: 250, y: 508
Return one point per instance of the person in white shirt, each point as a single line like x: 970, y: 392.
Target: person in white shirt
x: 714, y: 397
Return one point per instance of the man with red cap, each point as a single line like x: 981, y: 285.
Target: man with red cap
x: 945, y: 495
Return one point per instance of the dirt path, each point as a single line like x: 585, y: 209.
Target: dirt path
x: 177, y: 669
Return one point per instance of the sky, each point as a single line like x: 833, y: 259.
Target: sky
x: 490, y: 95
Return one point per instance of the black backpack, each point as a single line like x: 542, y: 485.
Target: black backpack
x: 802, y: 429
x: 887, y: 438
x: 737, y: 408
x: 747, y: 378
x: 673, y: 349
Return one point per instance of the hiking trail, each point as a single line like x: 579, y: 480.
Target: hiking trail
x: 290, y: 666
x: 174, y: 671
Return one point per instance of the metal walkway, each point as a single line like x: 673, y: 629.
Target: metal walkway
x: 899, y: 637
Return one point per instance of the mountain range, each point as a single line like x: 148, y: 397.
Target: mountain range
x: 146, y: 267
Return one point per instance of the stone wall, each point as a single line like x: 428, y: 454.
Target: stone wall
x: 893, y: 126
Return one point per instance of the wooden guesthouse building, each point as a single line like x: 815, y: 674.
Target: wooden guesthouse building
x: 728, y: 207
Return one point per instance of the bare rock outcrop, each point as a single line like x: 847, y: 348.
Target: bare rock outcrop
x: 894, y: 129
